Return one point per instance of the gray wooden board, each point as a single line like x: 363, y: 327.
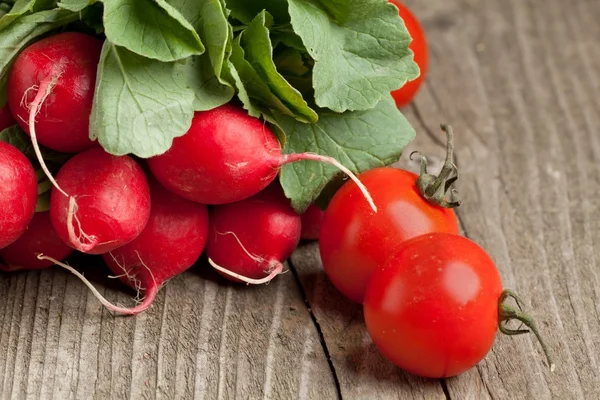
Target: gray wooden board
x: 203, y: 339
x: 519, y: 80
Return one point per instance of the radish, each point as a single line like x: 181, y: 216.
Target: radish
x: 39, y: 237
x: 53, y: 80
x: 248, y: 240
x: 18, y: 193
x: 227, y: 156
x: 311, y: 223
x: 171, y: 242
x: 109, y: 202
x: 6, y: 118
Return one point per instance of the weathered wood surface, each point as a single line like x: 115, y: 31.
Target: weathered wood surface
x: 519, y: 80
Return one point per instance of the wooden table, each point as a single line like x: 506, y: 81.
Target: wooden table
x: 519, y: 80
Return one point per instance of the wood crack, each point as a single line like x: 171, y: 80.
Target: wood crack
x: 313, y: 317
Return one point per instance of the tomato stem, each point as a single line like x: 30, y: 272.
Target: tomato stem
x: 434, y: 188
x: 507, y: 313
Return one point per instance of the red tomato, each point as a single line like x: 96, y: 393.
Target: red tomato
x: 405, y: 94
x: 432, y: 308
x: 354, y: 240
x: 6, y: 118
x: 311, y: 223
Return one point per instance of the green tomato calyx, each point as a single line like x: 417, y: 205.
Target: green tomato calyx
x: 434, y: 188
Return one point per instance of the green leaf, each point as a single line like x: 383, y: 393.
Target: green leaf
x: 91, y: 17
x: 75, y: 5
x: 4, y: 9
x: 140, y: 105
x: 15, y: 136
x: 150, y: 28
x: 360, y: 140
x: 259, y: 53
x: 360, y: 62
x: 249, y: 105
x: 246, y: 10
x: 339, y: 10
x: 291, y: 62
x: 22, y: 7
x: 254, y: 93
x: 209, y: 19
x: 210, y: 93
x: 19, y: 34
x: 288, y: 38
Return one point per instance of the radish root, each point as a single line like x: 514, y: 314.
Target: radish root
x: 151, y: 292
x: 275, y: 268
x: 252, y: 256
x: 78, y: 240
x: 289, y: 158
x: 43, y: 91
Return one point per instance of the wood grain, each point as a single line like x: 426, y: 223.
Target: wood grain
x: 519, y: 80
x: 202, y: 339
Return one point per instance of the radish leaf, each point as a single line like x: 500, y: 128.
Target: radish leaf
x: 209, y: 19
x: 246, y: 10
x: 75, y: 5
x: 140, y: 105
x: 20, y: 33
x: 259, y: 53
x: 359, y: 62
x: 200, y: 76
x: 150, y: 28
x: 360, y: 140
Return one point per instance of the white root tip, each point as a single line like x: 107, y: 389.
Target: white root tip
x: 72, y: 270
x: 78, y: 240
x: 150, y: 294
x: 275, y: 271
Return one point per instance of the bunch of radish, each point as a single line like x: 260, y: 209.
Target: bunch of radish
x: 148, y: 219
x: 389, y: 239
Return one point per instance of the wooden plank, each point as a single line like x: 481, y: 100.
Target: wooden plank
x: 516, y: 79
x: 203, y: 339
x: 362, y: 372
x: 519, y: 81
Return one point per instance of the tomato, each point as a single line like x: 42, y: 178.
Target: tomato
x: 405, y: 94
x: 354, y: 240
x: 434, y: 308
x: 311, y: 223
x: 6, y: 118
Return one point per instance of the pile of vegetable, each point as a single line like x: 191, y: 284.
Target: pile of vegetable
x: 151, y: 132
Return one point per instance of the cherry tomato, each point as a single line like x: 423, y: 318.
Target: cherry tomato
x: 6, y: 118
x: 432, y: 308
x: 311, y: 223
x: 354, y: 240
x: 405, y: 94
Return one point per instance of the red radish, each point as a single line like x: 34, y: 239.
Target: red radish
x: 171, y: 242
x: 18, y: 193
x: 6, y: 118
x: 226, y: 156
x: 109, y: 204
x: 249, y: 239
x: 311, y: 222
x: 39, y: 237
x: 60, y: 72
